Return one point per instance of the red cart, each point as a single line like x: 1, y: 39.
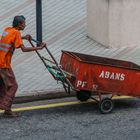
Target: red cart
x: 87, y: 74
x: 102, y: 76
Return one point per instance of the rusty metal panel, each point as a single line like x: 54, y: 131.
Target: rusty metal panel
x: 104, y: 75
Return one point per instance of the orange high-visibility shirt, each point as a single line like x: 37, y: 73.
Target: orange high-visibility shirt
x: 11, y: 39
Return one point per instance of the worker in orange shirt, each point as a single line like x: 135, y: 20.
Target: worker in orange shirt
x: 11, y: 39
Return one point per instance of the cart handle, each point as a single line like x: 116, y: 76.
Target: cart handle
x: 38, y: 42
x: 48, y: 60
x: 68, y: 82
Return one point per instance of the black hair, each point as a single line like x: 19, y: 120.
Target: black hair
x: 17, y: 20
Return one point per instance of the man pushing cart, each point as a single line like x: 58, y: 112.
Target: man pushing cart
x: 11, y: 39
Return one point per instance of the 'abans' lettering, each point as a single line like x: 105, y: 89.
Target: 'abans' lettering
x: 112, y: 75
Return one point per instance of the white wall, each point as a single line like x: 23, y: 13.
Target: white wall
x: 97, y: 19
x: 114, y: 23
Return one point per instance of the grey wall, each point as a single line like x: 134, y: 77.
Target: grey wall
x: 114, y: 23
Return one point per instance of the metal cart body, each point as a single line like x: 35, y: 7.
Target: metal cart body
x: 102, y: 75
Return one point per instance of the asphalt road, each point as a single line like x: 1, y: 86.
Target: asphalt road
x: 74, y: 122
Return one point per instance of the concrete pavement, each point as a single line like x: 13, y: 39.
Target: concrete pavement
x: 64, y: 28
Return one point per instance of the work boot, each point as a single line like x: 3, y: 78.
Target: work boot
x: 10, y: 113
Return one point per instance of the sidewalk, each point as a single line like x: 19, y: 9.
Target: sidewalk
x: 64, y: 28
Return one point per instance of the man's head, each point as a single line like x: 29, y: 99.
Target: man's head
x: 19, y: 22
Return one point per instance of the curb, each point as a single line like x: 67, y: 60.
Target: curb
x: 42, y: 96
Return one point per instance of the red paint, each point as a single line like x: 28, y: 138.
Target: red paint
x: 104, y: 75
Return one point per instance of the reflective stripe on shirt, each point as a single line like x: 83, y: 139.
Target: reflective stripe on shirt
x: 4, y: 49
x: 3, y: 44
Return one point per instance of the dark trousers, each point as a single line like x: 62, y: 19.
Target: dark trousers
x: 8, y: 88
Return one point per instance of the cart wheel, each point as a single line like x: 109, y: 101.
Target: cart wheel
x: 83, y: 95
x: 106, y: 105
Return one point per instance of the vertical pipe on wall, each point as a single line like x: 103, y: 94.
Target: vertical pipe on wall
x: 39, y: 20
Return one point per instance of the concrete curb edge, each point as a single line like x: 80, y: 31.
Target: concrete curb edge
x: 42, y: 96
